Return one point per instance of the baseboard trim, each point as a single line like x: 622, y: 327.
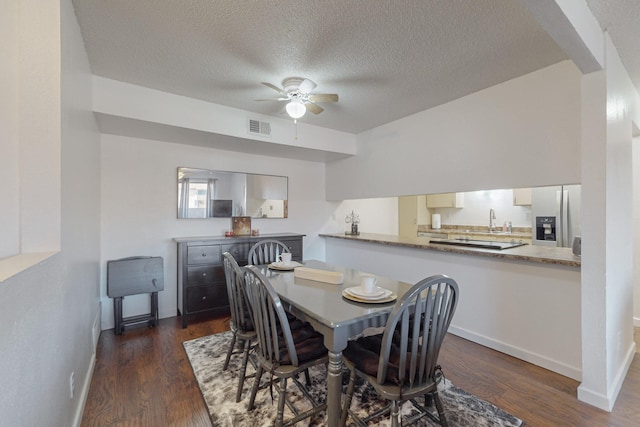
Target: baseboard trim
x: 606, y: 402
x: 526, y: 355
x: 77, y: 419
x: 636, y: 322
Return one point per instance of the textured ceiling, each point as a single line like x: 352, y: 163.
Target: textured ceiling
x: 386, y: 59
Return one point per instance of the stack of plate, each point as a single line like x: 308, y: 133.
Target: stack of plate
x: 378, y: 295
x: 284, y: 267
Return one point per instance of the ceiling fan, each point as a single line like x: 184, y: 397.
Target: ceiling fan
x: 298, y: 92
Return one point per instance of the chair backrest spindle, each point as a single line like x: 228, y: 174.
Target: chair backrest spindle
x: 266, y: 251
x: 241, y: 316
x: 272, y: 325
x: 416, y: 328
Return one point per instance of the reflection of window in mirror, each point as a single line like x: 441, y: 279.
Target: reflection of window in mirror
x: 194, y: 197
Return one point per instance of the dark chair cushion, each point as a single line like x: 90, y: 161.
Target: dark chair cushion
x: 248, y: 323
x: 307, y: 350
x: 309, y: 344
x: 364, y: 353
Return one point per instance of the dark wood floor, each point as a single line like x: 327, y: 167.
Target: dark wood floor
x: 143, y: 378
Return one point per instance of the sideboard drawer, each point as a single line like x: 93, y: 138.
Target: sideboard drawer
x: 209, y: 254
x: 295, y: 246
x: 204, y: 275
x: 240, y: 251
x: 206, y: 297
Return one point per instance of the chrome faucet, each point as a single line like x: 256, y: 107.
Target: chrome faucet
x: 492, y: 217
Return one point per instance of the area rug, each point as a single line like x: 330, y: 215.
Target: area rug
x: 218, y: 388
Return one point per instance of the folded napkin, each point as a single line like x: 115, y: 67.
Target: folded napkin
x: 333, y: 277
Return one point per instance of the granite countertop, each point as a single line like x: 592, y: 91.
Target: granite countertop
x: 530, y: 253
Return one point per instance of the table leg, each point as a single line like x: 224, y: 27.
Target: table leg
x: 334, y: 389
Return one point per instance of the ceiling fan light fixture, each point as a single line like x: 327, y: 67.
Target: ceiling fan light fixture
x: 296, y: 108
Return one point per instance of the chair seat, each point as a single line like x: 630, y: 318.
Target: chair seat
x: 309, y: 348
x: 389, y: 390
x: 246, y: 335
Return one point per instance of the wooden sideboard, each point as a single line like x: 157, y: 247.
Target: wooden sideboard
x: 202, y: 288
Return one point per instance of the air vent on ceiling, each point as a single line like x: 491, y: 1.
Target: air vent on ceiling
x: 259, y: 128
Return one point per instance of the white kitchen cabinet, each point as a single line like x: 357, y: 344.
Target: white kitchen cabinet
x: 522, y: 197
x: 445, y: 200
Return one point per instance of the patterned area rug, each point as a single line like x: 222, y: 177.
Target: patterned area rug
x: 218, y: 388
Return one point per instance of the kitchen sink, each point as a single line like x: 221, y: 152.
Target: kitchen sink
x: 483, y: 244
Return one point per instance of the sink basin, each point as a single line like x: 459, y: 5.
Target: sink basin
x: 474, y: 243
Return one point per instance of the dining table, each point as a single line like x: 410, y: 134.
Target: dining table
x: 336, y: 317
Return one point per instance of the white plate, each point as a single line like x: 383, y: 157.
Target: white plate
x: 284, y: 267
x: 388, y: 298
x: 382, y: 293
x: 359, y: 292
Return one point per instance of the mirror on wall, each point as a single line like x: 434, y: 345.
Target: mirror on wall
x: 206, y: 193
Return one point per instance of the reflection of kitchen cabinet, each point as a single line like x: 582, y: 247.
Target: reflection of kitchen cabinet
x: 445, y: 200
x: 202, y: 287
x: 522, y: 197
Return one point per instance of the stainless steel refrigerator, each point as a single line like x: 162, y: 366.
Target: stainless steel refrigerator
x: 555, y: 213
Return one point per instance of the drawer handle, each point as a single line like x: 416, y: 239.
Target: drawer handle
x: 204, y: 298
x: 204, y: 274
x: 204, y: 254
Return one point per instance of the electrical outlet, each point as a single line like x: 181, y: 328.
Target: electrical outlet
x: 72, y: 384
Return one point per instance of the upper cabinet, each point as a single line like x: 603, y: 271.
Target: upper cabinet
x: 445, y: 200
x: 522, y: 197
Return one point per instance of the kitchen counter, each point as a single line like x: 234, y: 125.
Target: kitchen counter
x: 530, y: 253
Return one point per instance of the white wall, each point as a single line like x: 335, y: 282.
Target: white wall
x: 9, y: 84
x: 636, y: 231
x: 29, y: 129
x: 376, y: 215
x: 500, y: 137
x: 139, y: 207
x: 80, y: 220
x: 47, y: 310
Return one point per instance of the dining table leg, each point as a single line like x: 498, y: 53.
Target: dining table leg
x: 334, y: 388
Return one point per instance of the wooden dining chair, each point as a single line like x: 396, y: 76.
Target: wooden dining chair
x: 402, y: 363
x: 241, y: 322
x: 266, y: 251
x: 283, y: 350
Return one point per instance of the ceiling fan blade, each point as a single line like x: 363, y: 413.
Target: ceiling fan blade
x: 272, y: 99
x: 323, y: 97
x: 315, y: 109
x: 276, y: 88
x: 306, y: 86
